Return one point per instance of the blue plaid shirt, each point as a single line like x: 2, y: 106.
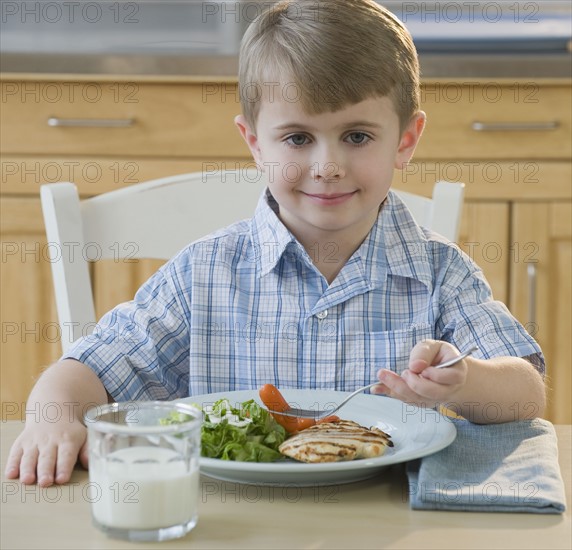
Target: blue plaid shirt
x: 245, y: 306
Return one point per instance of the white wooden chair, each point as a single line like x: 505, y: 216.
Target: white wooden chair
x: 154, y: 219
x: 158, y: 218
x: 442, y: 212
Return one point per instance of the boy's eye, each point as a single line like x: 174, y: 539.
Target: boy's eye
x: 297, y: 140
x: 358, y: 138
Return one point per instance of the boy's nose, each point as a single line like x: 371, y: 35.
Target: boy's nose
x: 328, y: 166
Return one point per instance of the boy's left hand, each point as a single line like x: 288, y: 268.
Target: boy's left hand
x: 422, y: 384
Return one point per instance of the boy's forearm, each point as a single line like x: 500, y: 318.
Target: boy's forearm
x: 65, y: 391
x: 497, y: 390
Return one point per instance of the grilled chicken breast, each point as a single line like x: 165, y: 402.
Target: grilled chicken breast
x: 336, y: 442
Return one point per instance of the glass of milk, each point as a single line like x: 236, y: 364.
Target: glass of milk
x: 144, y: 470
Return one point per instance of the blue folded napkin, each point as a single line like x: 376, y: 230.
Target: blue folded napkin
x: 510, y: 467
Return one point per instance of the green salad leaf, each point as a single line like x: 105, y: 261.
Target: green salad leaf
x: 176, y: 417
x: 250, y: 435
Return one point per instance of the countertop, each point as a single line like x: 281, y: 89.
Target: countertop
x: 433, y: 65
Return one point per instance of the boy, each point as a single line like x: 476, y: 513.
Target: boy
x: 331, y: 283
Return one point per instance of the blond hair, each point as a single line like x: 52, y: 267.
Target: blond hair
x: 327, y: 55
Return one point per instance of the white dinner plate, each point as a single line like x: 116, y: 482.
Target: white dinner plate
x: 415, y: 432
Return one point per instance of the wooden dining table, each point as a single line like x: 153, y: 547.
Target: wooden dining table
x: 374, y: 513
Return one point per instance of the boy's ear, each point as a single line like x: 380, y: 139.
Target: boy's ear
x: 249, y: 137
x: 409, y: 140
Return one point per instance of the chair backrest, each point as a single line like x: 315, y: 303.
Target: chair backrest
x: 158, y: 218
x: 154, y: 219
x: 441, y: 213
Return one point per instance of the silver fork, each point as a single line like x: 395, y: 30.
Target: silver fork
x: 321, y: 413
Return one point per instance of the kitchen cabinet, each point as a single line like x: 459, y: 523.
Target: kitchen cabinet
x: 30, y: 335
x: 508, y: 141
x: 101, y: 135
x: 540, y: 288
x: 484, y: 235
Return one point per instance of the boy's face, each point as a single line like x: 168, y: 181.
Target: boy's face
x: 330, y: 172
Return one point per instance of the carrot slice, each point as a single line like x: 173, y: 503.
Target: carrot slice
x: 275, y: 401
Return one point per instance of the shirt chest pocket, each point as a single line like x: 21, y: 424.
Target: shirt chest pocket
x: 366, y: 353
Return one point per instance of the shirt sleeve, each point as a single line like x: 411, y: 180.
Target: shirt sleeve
x: 468, y: 315
x: 140, y: 349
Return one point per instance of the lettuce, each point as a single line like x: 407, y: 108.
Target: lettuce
x: 254, y: 441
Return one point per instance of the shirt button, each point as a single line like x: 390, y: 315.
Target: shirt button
x: 322, y: 315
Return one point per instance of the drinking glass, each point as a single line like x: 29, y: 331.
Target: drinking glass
x: 144, y: 469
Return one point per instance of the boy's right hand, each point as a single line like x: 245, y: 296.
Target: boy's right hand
x: 47, y: 453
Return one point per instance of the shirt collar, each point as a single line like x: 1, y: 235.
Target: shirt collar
x: 270, y: 236
x: 395, y: 245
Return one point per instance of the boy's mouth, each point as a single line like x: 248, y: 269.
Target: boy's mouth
x: 330, y: 198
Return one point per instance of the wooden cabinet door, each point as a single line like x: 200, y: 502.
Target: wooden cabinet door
x: 30, y: 332
x: 540, y: 296
x: 484, y: 236
x: 117, y: 281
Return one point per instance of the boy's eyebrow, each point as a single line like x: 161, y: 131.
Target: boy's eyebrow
x: 361, y: 124
x: 354, y: 124
x: 290, y: 126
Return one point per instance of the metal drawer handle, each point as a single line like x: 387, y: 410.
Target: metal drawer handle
x: 91, y: 122
x: 514, y: 126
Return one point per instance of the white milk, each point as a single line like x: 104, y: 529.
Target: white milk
x: 128, y: 491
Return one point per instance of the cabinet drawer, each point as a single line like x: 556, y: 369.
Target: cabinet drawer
x: 493, y: 121
x: 175, y: 120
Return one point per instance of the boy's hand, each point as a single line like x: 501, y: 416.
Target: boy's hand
x: 47, y: 453
x: 422, y: 384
